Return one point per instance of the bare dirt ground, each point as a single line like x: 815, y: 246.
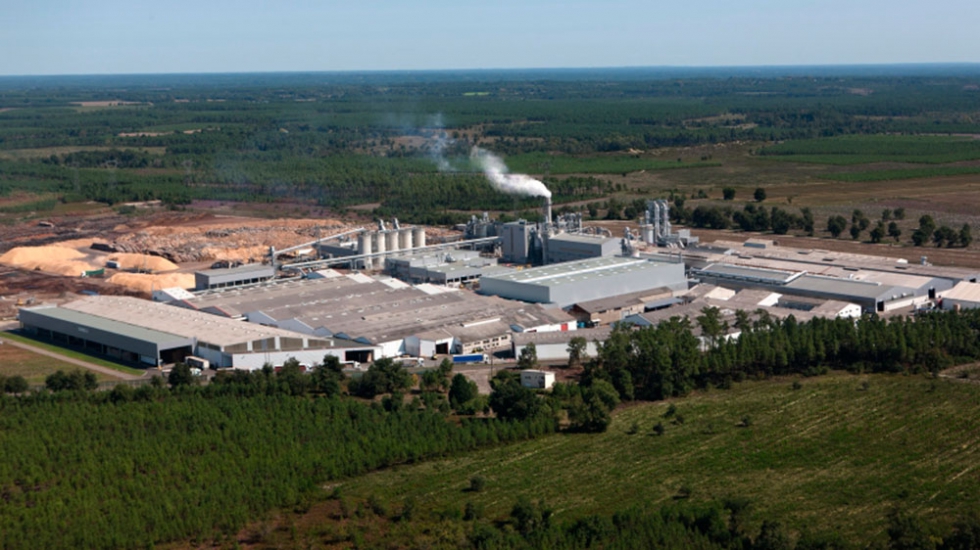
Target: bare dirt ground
x: 165, y: 246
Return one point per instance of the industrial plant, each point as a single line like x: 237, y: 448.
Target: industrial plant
x: 490, y: 287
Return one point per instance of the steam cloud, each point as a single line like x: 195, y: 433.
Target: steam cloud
x: 440, y: 141
x: 501, y: 178
x: 491, y: 165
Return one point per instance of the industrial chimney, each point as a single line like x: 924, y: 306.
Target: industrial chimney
x: 547, y: 210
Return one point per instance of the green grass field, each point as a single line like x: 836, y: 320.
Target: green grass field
x: 70, y: 353
x: 864, y: 149
x: 15, y: 361
x: 902, y: 174
x: 831, y: 455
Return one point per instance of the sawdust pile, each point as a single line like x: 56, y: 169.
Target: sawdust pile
x: 143, y: 262
x: 144, y: 282
x: 235, y: 239
x: 245, y: 254
x: 51, y: 259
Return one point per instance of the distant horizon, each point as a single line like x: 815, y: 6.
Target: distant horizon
x: 824, y: 68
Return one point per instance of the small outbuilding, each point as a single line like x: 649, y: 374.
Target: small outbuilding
x: 537, y: 379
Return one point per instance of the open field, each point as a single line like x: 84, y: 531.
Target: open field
x: 15, y: 361
x: 903, y: 174
x: 831, y: 455
x: 846, y: 150
x: 72, y: 354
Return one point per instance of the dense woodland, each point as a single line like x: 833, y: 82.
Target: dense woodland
x: 341, y: 140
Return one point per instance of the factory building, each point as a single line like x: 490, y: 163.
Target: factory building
x: 524, y: 242
x: 872, y: 290
x: 964, y: 295
x: 449, y: 267
x: 235, y: 276
x: 766, y: 253
x: 573, y: 282
x: 757, y: 303
x: 122, y: 341
x: 154, y: 334
x: 567, y: 247
x: 607, y: 311
x: 517, y: 242
x: 553, y: 346
x: 385, y: 313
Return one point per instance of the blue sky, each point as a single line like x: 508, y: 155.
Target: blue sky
x: 112, y: 36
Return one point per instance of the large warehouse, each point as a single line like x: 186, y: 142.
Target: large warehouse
x: 573, y: 282
x: 386, y: 313
x: 872, y: 290
x: 154, y: 334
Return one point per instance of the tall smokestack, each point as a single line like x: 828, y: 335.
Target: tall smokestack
x: 547, y: 210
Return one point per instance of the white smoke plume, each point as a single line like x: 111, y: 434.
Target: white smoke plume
x: 501, y: 178
x: 440, y: 141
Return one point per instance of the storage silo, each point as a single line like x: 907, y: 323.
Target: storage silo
x: 391, y: 238
x: 364, y: 246
x: 405, y: 235
x: 418, y: 236
x: 380, y: 247
x: 647, y: 234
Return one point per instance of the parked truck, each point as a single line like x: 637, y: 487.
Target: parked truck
x: 471, y: 358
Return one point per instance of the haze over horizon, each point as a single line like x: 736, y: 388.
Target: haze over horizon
x: 47, y: 37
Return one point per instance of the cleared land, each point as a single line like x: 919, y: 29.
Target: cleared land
x: 16, y: 361
x: 126, y: 372
x: 832, y: 455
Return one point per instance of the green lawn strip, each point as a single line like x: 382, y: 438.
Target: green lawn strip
x: 34, y: 367
x: 71, y: 353
x: 830, y: 456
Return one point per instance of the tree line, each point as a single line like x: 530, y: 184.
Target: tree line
x: 668, y: 360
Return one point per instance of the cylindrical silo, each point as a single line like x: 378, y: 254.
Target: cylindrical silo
x: 380, y: 247
x: 418, y: 236
x: 391, y: 238
x: 646, y: 230
x: 405, y: 236
x: 364, y: 246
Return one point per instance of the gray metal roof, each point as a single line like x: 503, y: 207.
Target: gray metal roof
x: 373, y: 310
x: 160, y: 338
x: 846, y: 287
x: 240, y: 270
x: 134, y: 313
x: 561, y: 273
x: 580, y: 238
x: 625, y: 300
x: 750, y: 273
